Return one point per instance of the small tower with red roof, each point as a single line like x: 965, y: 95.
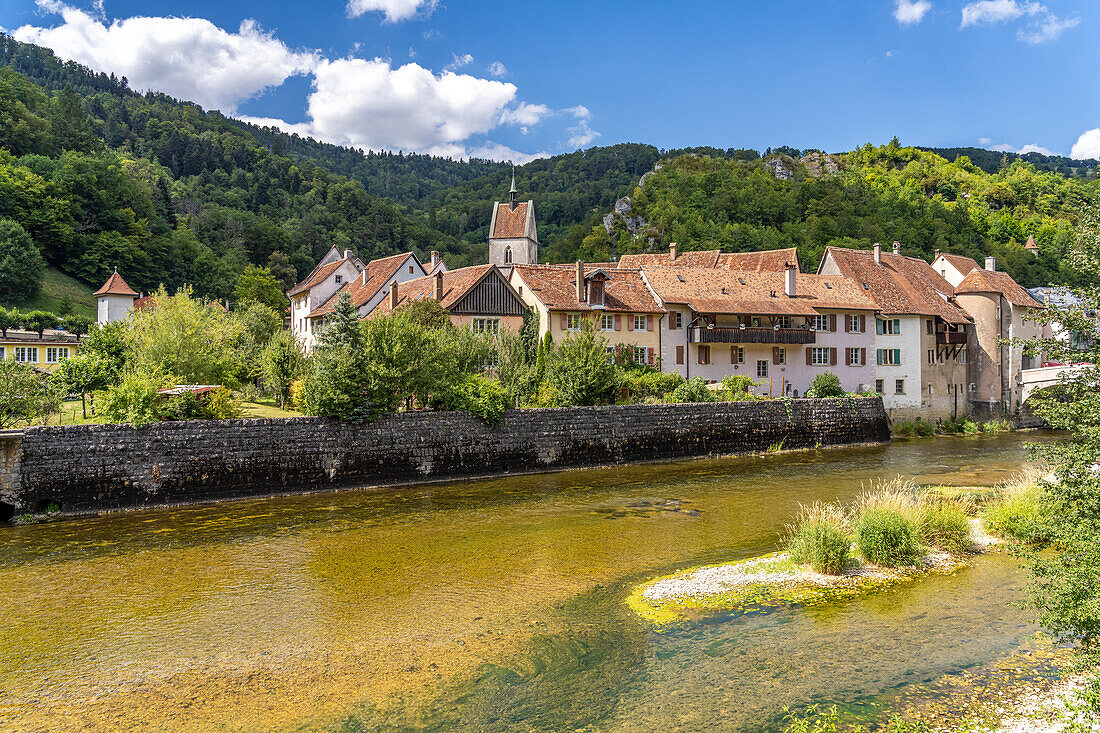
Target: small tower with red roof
x: 114, y: 300
x: 1032, y: 247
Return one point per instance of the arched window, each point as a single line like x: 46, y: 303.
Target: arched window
x: 507, y: 255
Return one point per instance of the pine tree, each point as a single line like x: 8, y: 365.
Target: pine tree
x: 342, y: 330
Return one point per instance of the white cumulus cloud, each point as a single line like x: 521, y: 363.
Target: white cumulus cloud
x: 1087, y: 146
x: 1050, y: 28
x: 1006, y: 148
x: 525, y: 115
x: 997, y: 11
x: 364, y: 103
x: 394, y: 10
x: 189, y: 58
x: 581, y: 135
x: 371, y: 104
x: 580, y: 112
x: 910, y: 12
x: 497, y: 69
x: 495, y: 151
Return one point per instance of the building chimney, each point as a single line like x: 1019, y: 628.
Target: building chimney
x: 439, y: 286
x: 347, y: 254
x: 991, y: 263
x: 393, y: 296
x: 580, y: 281
x: 672, y: 252
x: 878, y: 253
x: 790, y: 280
x: 435, y: 259
x: 1046, y: 296
x: 897, y: 248
x: 938, y: 253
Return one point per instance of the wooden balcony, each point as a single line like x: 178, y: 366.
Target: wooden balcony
x: 950, y: 337
x: 752, y: 336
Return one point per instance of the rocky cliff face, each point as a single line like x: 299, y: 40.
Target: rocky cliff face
x: 621, y: 212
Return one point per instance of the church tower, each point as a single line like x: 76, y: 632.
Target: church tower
x: 513, y: 239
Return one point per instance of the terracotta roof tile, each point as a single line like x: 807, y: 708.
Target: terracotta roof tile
x: 510, y: 224
x: 366, y: 284
x: 1031, y: 243
x: 318, y: 276
x: 774, y: 260
x: 456, y: 284
x: 555, y: 287
x: 729, y: 291
x: 691, y: 258
x: 115, y: 285
x: 965, y: 265
x: 986, y: 281
x: 900, y: 285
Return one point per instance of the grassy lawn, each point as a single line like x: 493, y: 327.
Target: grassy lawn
x: 56, y: 285
x: 71, y: 413
x: 267, y: 408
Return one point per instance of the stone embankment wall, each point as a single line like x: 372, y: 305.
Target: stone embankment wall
x: 102, y: 467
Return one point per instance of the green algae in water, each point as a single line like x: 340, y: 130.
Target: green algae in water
x: 295, y: 613
x: 569, y: 681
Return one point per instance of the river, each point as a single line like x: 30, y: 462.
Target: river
x: 490, y: 605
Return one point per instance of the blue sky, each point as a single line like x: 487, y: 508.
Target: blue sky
x: 512, y: 80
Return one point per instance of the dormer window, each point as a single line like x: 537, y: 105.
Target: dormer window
x: 595, y: 292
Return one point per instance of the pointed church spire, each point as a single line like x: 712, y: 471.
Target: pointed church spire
x: 512, y: 193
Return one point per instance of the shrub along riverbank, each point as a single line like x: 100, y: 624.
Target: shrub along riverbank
x: 893, y: 533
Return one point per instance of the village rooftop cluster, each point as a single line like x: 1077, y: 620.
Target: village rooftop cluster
x: 936, y: 340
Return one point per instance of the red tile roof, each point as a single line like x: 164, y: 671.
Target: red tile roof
x: 986, y: 281
x: 555, y: 287
x: 115, y: 285
x: 316, y: 277
x: 1031, y: 243
x: 900, y: 285
x: 376, y: 274
x: 965, y: 265
x: 509, y: 223
x: 456, y: 284
x: 708, y: 290
x: 774, y: 260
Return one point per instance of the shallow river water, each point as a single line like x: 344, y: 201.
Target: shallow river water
x: 490, y: 605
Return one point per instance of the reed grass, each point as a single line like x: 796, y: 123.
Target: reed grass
x: 819, y: 538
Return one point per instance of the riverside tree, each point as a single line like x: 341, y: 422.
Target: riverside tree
x: 1065, y: 578
x: 26, y: 396
x: 185, y: 336
x: 579, y: 368
x: 282, y: 364
x: 86, y: 372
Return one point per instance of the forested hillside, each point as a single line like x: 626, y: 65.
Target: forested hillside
x: 98, y: 175
x: 170, y: 194
x: 874, y: 194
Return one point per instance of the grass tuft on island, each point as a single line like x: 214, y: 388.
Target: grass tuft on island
x: 895, y: 532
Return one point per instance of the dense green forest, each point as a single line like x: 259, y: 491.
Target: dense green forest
x: 992, y: 161
x: 98, y: 175
x: 878, y: 194
x: 101, y: 176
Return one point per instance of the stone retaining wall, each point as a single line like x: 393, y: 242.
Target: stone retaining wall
x: 102, y: 467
